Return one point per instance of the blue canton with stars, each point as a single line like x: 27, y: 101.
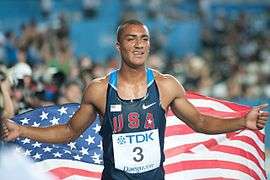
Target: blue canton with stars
x: 87, y: 148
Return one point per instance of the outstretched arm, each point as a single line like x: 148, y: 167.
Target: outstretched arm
x: 183, y: 109
x: 82, y: 119
x: 255, y: 119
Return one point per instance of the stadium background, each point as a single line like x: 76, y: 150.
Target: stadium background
x: 51, y: 49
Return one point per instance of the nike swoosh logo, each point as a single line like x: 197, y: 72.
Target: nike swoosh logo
x: 148, y: 106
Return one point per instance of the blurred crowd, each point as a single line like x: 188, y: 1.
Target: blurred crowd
x: 43, y: 70
x: 234, y: 62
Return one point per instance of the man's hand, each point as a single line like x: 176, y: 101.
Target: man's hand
x: 257, y: 118
x: 11, y: 130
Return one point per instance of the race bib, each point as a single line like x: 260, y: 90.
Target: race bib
x: 136, y: 152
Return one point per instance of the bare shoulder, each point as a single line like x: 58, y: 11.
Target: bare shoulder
x: 96, y: 90
x: 168, y: 83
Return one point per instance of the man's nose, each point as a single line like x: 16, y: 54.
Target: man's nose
x: 138, y: 44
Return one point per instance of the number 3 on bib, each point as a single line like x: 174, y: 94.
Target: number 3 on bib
x: 139, y: 154
x: 136, y: 152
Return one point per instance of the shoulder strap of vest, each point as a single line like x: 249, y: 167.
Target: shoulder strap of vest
x: 113, y: 79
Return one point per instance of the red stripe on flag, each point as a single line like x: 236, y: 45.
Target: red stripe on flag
x: 179, y: 149
x: 232, y: 105
x: 208, y: 164
x: 215, y: 113
x: 187, y: 147
x: 252, y: 143
x: 178, y: 130
x: 239, y: 152
x: 64, y: 172
x: 217, y: 178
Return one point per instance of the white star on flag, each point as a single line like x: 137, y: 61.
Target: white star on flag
x: 36, y: 124
x: 27, y: 152
x: 100, y: 146
x: 47, y: 149
x: 72, y: 145
x: 36, y: 144
x: 98, y: 161
x: 26, y: 141
x: 84, y: 151
x: 77, y: 157
x: 25, y: 121
x: 37, y: 156
x: 97, y: 128
x: 95, y: 156
x: 90, y: 140
x: 67, y: 151
x: 55, y: 120
x: 62, y: 110
x: 57, y: 154
x: 44, y: 115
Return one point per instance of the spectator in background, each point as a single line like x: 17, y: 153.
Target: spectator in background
x: 46, y: 8
x: 64, y: 60
x: 21, y: 75
x: 71, y: 93
x: 90, y: 8
x: 10, y: 48
x: 2, y: 49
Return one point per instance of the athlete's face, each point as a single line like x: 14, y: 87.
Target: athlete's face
x: 134, y: 44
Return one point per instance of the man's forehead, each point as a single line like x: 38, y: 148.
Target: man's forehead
x: 135, y: 29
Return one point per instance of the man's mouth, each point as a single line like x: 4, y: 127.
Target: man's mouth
x: 138, y: 53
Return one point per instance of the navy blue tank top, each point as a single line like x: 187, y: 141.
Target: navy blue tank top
x: 133, y: 134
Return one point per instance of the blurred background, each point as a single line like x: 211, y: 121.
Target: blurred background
x: 51, y: 49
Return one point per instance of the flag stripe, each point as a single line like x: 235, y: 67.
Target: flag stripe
x: 209, y: 173
x: 208, y: 164
x: 234, y: 106
x: 211, y: 156
x: 178, y: 130
x: 63, y: 172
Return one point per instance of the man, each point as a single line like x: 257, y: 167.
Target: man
x: 132, y: 103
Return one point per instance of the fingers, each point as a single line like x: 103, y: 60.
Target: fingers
x: 261, y: 107
x: 4, y: 134
x: 262, y: 119
x: 7, y: 135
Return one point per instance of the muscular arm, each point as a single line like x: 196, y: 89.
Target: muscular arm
x: 62, y: 133
x: 184, y: 110
x: 82, y: 119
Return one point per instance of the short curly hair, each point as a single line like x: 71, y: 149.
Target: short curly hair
x: 124, y: 24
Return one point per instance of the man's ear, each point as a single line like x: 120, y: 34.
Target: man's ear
x: 117, y: 44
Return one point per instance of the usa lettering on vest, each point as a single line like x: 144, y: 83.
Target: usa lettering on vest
x: 133, y: 121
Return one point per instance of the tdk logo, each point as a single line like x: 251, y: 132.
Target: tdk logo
x: 121, y: 140
x: 135, y: 138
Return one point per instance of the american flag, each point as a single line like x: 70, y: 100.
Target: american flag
x: 189, y: 155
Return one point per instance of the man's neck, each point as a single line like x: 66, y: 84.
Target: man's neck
x: 132, y: 75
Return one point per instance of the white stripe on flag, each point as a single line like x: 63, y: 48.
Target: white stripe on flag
x: 209, y: 173
x: 210, y: 104
x: 179, y: 140
x: 80, y: 178
x: 216, y: 156
x: 56, y: 163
